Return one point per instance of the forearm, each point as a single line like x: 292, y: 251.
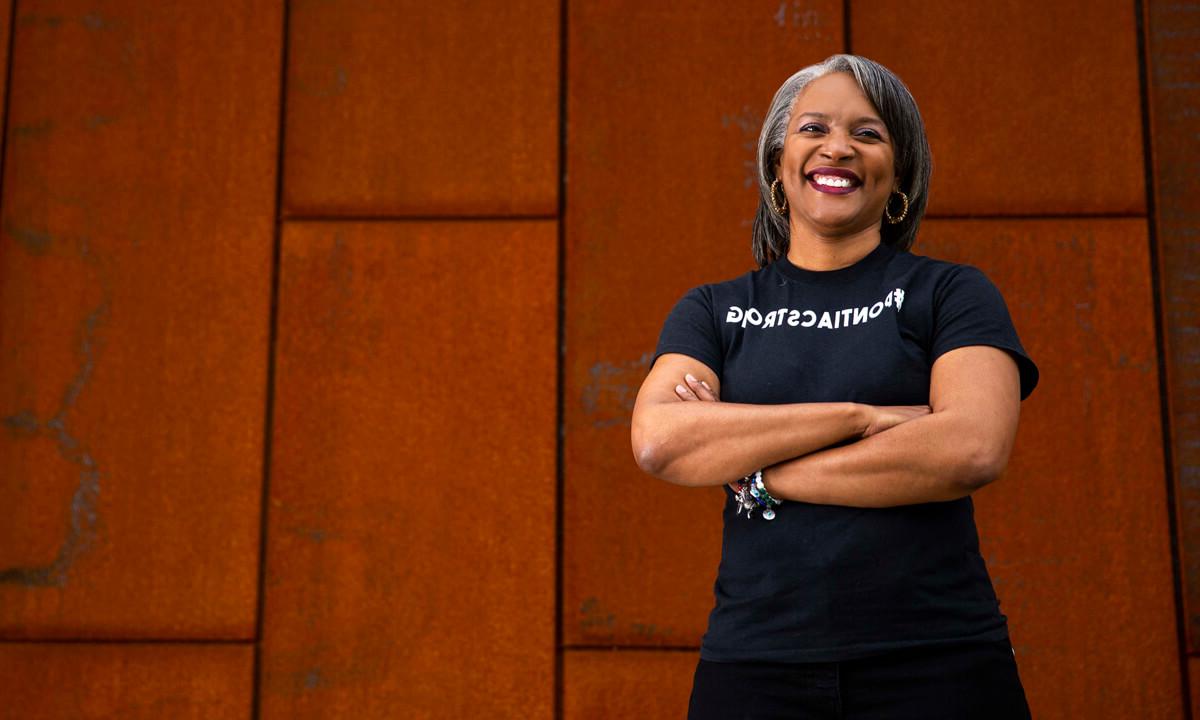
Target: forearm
x: 713, y: 443
x: 933, y: 458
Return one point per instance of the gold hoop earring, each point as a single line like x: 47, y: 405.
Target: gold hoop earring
x: 893, y: 219
x: 778, y: 210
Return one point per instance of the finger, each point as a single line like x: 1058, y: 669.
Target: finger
x: 684, y: 393
x: 700, y: 388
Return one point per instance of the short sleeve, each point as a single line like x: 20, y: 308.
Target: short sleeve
x: 691, y: 329
x: 969, y: 310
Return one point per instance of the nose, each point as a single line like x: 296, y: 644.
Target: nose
x: 837, y: 145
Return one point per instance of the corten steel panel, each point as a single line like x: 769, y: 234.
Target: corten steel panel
x: 1173, y: 35
x: 411, y: 542
x: 416, y: 108
x: 135, y: 274
x: 661, y: 193
x: 1031, y: 107
x: 1075, y: 534
x: 82, y: 681
x: 643, y: 684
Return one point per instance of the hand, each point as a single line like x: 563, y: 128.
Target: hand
x: 882, y: 417
x: 694, y: 389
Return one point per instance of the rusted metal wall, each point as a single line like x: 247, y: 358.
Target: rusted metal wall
x: 301, y: 262
x: 410, y: 564
x: 411, y: 543
x: 135, y: 286
x: 131, y: 681
x: 437, y: 109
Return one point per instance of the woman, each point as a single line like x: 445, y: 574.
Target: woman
x: 867, y: 392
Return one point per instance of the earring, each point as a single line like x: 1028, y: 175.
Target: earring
x: 893, y: 219
x: 778, y: 209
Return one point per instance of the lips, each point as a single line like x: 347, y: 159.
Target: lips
x: 835, y: 181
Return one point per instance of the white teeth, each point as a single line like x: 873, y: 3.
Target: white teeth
x: 832, y: 180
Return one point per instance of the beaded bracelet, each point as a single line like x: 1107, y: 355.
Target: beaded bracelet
x: 752, y: 493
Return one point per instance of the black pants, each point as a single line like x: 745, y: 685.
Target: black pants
x: 971, y: 680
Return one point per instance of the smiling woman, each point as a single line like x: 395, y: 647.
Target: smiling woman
x: 856, y: 394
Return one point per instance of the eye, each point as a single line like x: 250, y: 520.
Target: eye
x: 868, y: 132
x: 810, y: 127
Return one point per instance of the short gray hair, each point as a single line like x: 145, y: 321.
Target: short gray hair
x: 898, y: 110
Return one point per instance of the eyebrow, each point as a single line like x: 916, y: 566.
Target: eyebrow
x: 863, y: 119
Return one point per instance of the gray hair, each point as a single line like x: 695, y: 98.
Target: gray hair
x: 898, y: 110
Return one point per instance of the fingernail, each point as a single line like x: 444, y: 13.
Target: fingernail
x: 706, y: 387
x: 680, y: 388
x: 690, y: 378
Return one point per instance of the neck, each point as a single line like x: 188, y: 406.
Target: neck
x: 822, y: 252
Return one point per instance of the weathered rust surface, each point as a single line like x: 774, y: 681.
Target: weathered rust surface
x: 1173, y: 85
x: 410, y: 563
x: 1032, y: 107
x: 643, y: 684
x: 1075, y: 533
x: 661, y: 193
x: 137, y: 225
x: 414, y: 108
x: 131, y: 681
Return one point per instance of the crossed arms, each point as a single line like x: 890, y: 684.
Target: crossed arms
x: 682, y: 433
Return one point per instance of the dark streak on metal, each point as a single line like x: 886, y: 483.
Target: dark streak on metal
x: 84, y: 506
x: 609, y: 396
x: 35, y: 129
x: 34, y: 241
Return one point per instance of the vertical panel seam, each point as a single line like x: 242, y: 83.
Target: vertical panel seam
x: 1142, y: 28
x: 846, y: 27
x: 8, y: 76
x: 560, y: 361
x: 272, y: 335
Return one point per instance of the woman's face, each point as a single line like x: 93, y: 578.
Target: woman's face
x: 837, y: 164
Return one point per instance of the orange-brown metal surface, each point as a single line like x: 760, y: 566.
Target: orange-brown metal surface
x: 411, y: 538
x: 641, y: 684
x: 1075, y: 533
x: 135, y: 253
x: 447, y: 108
x: 661, y: 192
x: 1032, y: 107
x: 130, y: 681
x: 1173, y: 63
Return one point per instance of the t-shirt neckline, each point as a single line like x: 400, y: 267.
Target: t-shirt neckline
x: 878, y: 255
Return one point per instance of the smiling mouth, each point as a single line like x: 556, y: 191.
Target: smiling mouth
x: 833, y: 180
x: 832, y: 184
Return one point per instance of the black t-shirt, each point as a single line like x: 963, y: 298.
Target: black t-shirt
x: 823, y: 583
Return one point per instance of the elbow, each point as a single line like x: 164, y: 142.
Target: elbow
x: 983, y: 465
x: 647, y: 447
x: 652, y: 452
x: 646, y: 455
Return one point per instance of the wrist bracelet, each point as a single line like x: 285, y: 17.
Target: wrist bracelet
x: 752, y: 493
